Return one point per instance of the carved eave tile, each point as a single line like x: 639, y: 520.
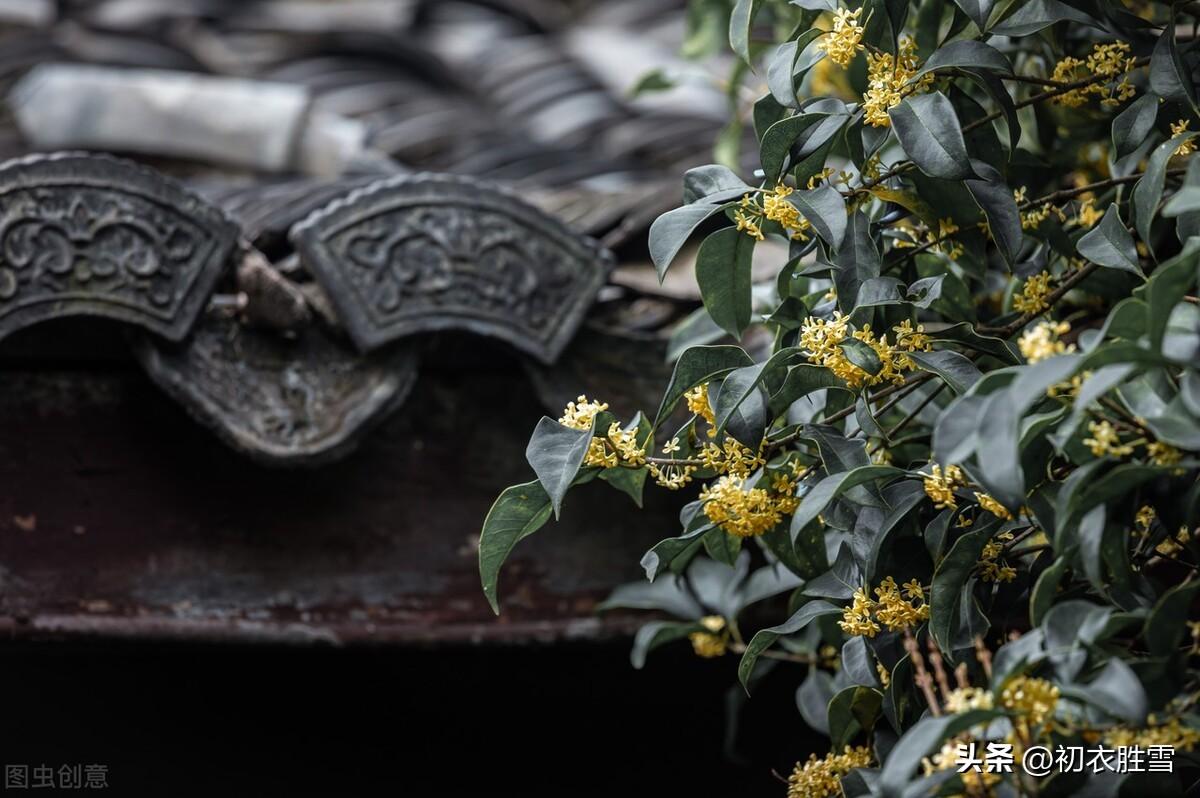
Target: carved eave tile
x: 92, y: 235
x: 282, y: 401
x: 418, y: 254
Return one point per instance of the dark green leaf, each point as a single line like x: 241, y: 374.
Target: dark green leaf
x: 698, y: 365
x: 1109, y: 244
x: 556, y: 454
x: 723, y: 268
x: 813, y: 699
x: 1117, y: 691
x: 713, y: 182
x: 765, y: 638
x: 948, y: 580
x: 1035, y: 15
x: 1167, y: 287
x: 657, y: 633
x: 1148, y: 191
x: 995, y: 199
x: 929, y: 132
x: 1133, y: 125
x: 1164, y: 629
x: 922, y: 740
x: 840, y: 581
x: 829, y: 488
x: 669, y: 594
x: 740, y: 23
x: 825, y: 210
x: 851, y: 712
x: 802, y: 380
x: 958, y: 371
x: 977, y: 10
x: 518, y: 512
x: 671, y: 231
x: 862, y: 355
x: 741, y: 406
x: 1169, y: 78
x: 1044, y: 591
x: 966, y: 53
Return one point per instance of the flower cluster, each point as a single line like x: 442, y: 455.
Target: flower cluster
x: 746, y: 512
x: 823, y: 338
x: 1179, y: 128
x: 947, y: 758
x: 897, y: 609
x: 888, y: 79
x: 940, y: 241
x: 821, y: 778
x: 1111, y: 62
x: 990, y: 569
x: 1106, y: 441
x: 1042, y: 341
x: 1032, y: 298
x: 1033, y: 699
x: 713, y: 641
x: 992, y: 506
x: 774, y: 207
x: 845, y: 40
x: 965, y: 699
x: 940, y: 485
x: 731, y: 458
x: 1172, y: 733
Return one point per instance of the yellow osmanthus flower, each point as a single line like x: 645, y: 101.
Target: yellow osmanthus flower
x: 888, y: 79
x: 1170, y: 547
x: 976, y: 783
x: 992, y: 506
x: 965, y: 699
x: 823, y: 338
x: 776, y: 207
x: 990, y: 569
x: 1088, y: 214
x: 713, y: 641
x: 894, y: 608
x: 1105, y: 441
x: 697, y: 402
x: 856, y: 619
x: 748, y: 224
x: 885, y: 678
x: 1111, y: 62
x: 1032, y: 298
x: 821, y: 778
x: 1163, y: 454
x: 940, y: 485
x: 746, y: 512
x: 845, y: 39
x: 1145, y: 519
x: 579, y: 414
x: 1032, y: 698
x: 1042, y: 341
x: 1172, y: 733
x: 1187, y: 147
x: 731, y: 458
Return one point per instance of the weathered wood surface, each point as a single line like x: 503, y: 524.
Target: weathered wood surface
x: 122, y: 517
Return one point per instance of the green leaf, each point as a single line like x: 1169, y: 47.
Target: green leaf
x: 957, y: 371
x: 829, y: 488
x: 519, y: 511
x: 852, y: 712
x: 723, y: 268
x: 813, y: 699
x: 556, y: 454
x: 1149, y: 189
x: 840, y: 581
x: 948, y: 580
x: 671, y: 231
x: 744, y: 382
x: 1117, y: 691
x: 1186, y: 200
x: 657, y: 633
x: 712, y: 183
x: 765, y: 638
x: 995, y: 199
x: 926, y: 291
x: 652, y: 81
x: 977, y: 10
x: 965, y: 53
x: 826, y: 212
x: 1131, y: 127
x: 740, y: 406
x: 838, y: 453
x: 630, y: 481
x: 931, y: 136
x: 740, y: 23
x: 862, y: 355
x: 696, y: 366
x: 674, y: 552
x: 1164, y: 631
x: 1044, y: 591
x: 1167, y: 287
x: 857, y: 263
x: 922, y: 740
x: 669, y: 594
x: 1109, y: 244
x: 1169, y: 78
x: 784, y: 71
x: 812, y: 131
x: 802, y: 380
x: 1038, y: 14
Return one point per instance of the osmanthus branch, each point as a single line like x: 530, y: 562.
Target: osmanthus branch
x: 782, y: 656
x: 1010, y: 329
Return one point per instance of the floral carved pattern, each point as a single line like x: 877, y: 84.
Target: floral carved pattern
x: 83, y: 235
x: 418, y: 254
